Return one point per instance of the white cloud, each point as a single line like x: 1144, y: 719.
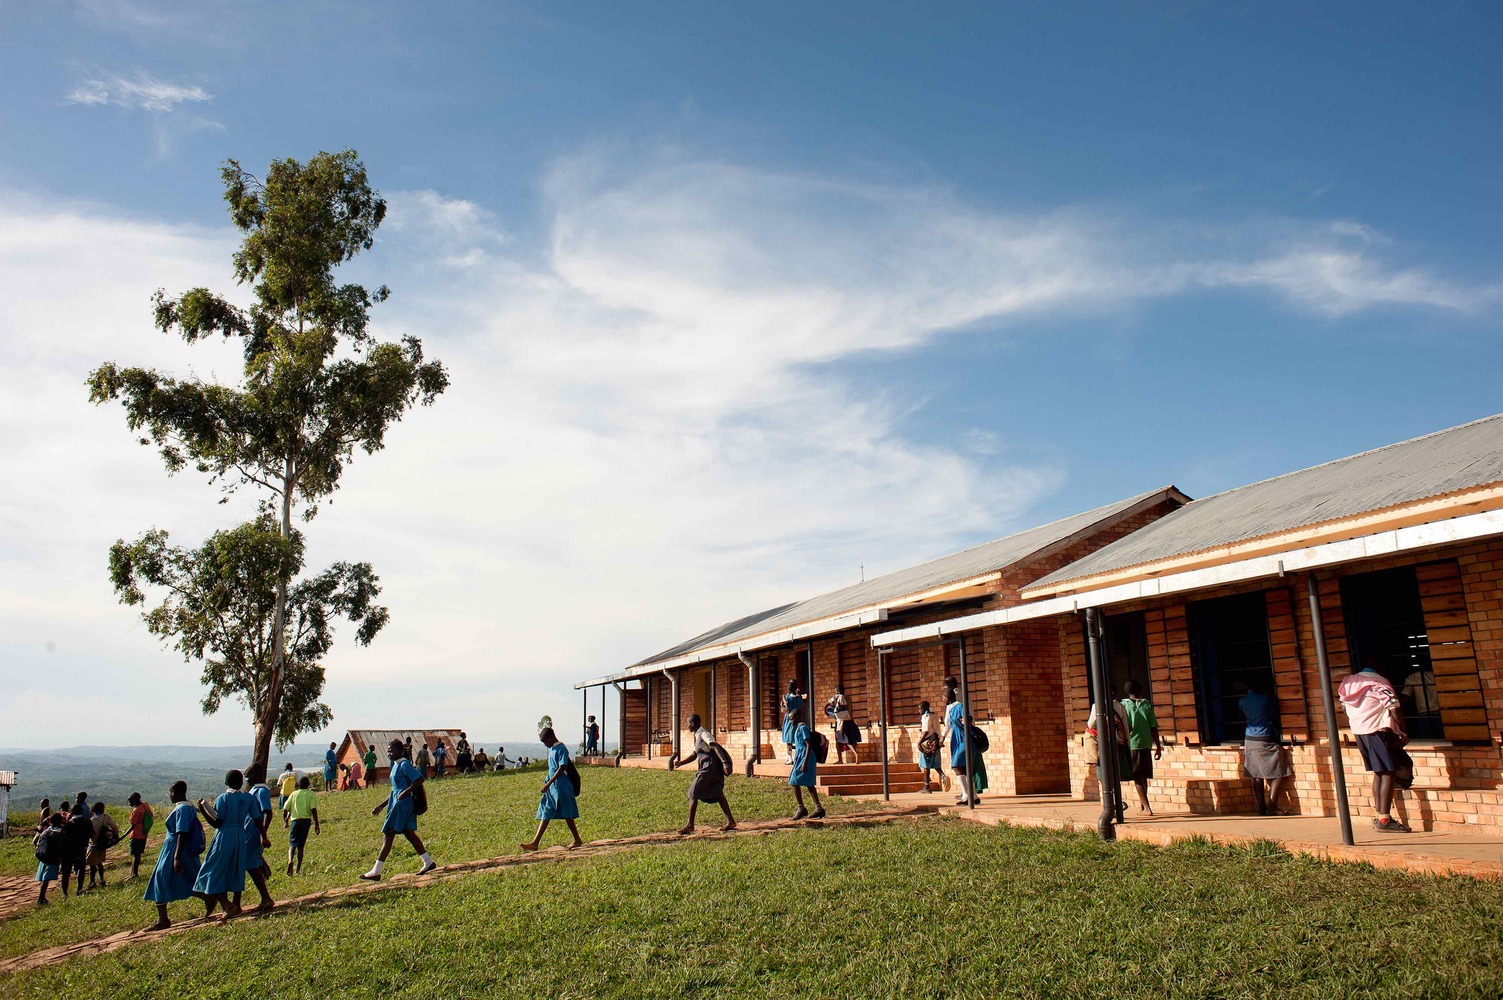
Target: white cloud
x: 648, y: 431
x: 143, y: 93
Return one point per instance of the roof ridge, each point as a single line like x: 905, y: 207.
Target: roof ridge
x: 1348, y: 458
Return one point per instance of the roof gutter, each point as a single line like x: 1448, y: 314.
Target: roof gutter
x: 1402, y: 540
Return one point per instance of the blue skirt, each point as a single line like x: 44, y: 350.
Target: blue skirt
x: 558, y: 801
x: 929, y: 761
x: 166, y: 885
x: 224, y: 866
x: 399, y: 817
x: 789, y: 723
x: 46, y: 871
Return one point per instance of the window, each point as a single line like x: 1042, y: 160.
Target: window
x: 852, y: 676
x: 1385, y: 627
x: 1124, y: 646
x: 1229, y: 645
x: 975, y: 672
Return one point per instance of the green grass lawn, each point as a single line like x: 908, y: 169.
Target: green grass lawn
x: 916, y: 909
x: 473, y: 817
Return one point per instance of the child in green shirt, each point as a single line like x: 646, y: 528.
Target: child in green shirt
x: 300, y: 813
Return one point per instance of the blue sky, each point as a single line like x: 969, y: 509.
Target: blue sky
x: 739, y: 298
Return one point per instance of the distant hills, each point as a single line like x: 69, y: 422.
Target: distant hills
x: 112, y: 773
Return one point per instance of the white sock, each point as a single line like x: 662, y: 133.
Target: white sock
x: 427, y: 858
x: 376, y: 868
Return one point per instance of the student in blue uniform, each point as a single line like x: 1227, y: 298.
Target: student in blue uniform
x: 331, y: 769
x: 793, y: 706
x: 591, y: 738
x: 802, y: 775
x: 223, y: 870
x: 558, y: 792
x: 401, y: 816
x: 50, y: 843
x: 178, y: 863
x: 955, y: 735
x: 256, y: 837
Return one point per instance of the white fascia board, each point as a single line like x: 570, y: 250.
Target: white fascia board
x: 807, y: 630
x: 765, y: 641
x: 1420, y: 536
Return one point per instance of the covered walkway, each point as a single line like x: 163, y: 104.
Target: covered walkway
x: 1480, y: 856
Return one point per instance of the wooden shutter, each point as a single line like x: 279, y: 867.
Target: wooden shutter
x: 904, y: 686
x: 1452, y: 656
x: 772, y: 694
x: 735, y: 682
x: 852, y: 676
x: 975, y: 673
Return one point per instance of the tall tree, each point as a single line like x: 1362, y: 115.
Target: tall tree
x: 218, y: 608
x: 317, y: 385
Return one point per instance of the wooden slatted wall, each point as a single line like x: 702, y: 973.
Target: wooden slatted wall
x: 1452, y: 656
x: 975, y: 670
x: 852, y: 676
x: 772, y: 695
x: 1288, y: 664
x: 733, y: 677
x: 634, y: 704
x: 904, y: 686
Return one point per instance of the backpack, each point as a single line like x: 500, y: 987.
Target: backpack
x: 419, y: 799
x: 819, y: 745
x: 979, y: 740
x: 572, y: 773
x: 109, y: 837
x: 726, y: 764
x: 50, y: 846
x: 929, y: 743
x: 196, y: 842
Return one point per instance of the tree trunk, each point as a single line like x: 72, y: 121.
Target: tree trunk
x: 270, y: 708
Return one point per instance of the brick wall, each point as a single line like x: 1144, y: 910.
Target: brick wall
x: 1457, y: 784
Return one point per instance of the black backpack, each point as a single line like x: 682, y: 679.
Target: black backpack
x: 979, y: 740
x: 726, y: 764
x: 572, y: 773
x: 819, y: 745
x: 50, y: 845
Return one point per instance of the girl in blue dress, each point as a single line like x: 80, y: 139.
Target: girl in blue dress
x: 178, y: 864
x: 256, y: 839
x: 955, y: 736
x: 802, y: 774
x: 793, y: 705
x: 558, y: 793
x: 223, y: 870
x: 49, y: 843
x: 401, y: 814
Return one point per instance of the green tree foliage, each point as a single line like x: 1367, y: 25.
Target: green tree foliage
x: 219, y: 605
x: 316, y: 384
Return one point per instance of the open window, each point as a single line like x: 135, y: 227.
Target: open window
x: 1230, y: 648
x: 1124, y: 648
x: 1411, y: 624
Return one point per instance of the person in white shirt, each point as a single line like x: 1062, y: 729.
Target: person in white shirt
x: 931, y: 759
x: 709, y: 781
x: 847, y: 733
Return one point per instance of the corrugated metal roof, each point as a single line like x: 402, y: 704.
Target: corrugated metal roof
x: 936, y: 573
x: 379, y: 738
x: 1457, y: 458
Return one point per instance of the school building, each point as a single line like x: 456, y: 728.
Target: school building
x: 1393, y: 557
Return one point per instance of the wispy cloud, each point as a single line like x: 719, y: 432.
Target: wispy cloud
x: 649, y: 426
x: 141, y: 92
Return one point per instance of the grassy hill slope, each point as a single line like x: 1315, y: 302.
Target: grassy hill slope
x: 917, y: 909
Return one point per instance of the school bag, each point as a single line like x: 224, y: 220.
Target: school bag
x: 726, y: 764
x: 50, y: 846
x: 572, y: 773
x: 819, y: 745
x: 419, y: 799
x: 108, y: 837
x: 929, y: 743
x: 979, y: 740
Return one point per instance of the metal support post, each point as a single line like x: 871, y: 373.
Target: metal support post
x: 1328, y: 702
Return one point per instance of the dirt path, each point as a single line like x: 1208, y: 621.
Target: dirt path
x: 313, y: 901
